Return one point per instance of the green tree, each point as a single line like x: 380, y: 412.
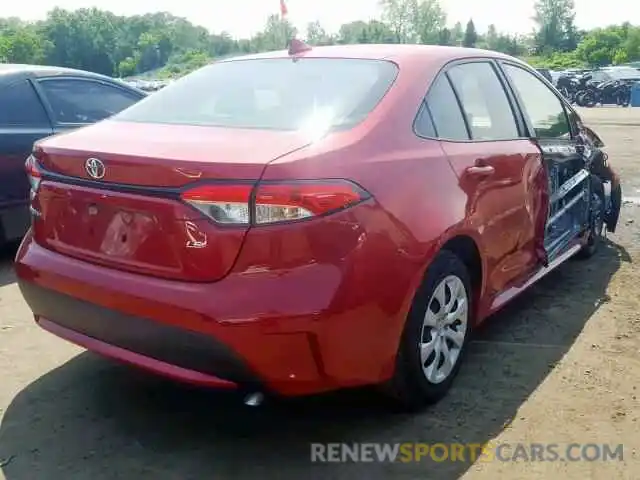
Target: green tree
x: 470, y: 35
x: 366, y: 32
x: 600, y: 46
x: 555, y: 25
x: 317, y: 35
x: 162, y: 44
x: 275, y: 36
x: 492, y: 39
x: 429, y: 20
x: 22, y: 43
x: 444, y: 37
x: 632, y: 44
x: 457, y: 34
x: 400, y: 15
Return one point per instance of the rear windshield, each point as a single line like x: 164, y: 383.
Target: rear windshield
x: 274, y: 94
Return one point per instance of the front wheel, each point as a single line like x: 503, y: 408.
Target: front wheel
x: 596, y: 220
x: 589, y: 100
x: 625, y: 98
x: 435, y: 335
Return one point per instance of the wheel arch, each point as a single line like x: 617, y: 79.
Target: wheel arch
x: 467, y: 250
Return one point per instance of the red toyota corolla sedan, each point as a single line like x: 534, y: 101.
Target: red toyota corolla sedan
x: 298, y: 222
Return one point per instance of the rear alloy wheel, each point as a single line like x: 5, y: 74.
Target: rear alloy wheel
x: 444, y: 329
x: 435, y: 335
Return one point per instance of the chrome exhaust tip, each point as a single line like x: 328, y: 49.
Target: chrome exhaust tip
x: 254, y: 399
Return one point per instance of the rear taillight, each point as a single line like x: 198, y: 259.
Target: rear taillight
x: 273, y: 202
x: 228, y: 204
x: 35, y: 177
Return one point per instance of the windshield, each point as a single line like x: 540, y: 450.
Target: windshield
x: 275, y: 94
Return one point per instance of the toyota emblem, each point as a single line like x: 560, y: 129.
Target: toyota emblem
x: 95, y: 168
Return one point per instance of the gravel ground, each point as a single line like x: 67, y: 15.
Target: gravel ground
x: 561, y: 365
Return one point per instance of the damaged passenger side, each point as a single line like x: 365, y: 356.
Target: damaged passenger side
x: 583, y: 193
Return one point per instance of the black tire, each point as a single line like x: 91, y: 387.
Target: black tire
x: 409, y: 388
x: 622, y: 98
x: 626, y: 99
x: 588, y: 100
x: 596, y: 220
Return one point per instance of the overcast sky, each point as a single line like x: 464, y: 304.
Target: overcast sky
x: 244, y: 17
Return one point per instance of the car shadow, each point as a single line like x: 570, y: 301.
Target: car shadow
x: 90, y: 418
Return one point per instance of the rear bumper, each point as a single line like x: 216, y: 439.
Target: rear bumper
x: 152, y: 324
x: 132, y: 358
x: 296, y: 331
x: 140, y: 341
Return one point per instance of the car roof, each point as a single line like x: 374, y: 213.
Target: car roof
x: 12, y: 70
x: 16, y: 71
x: 398, y: 53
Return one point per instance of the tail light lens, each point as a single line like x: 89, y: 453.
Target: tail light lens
x: 35, y: 177
x: 273, y: 202
x: 227, y: 204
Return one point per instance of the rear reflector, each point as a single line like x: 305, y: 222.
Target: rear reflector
x: 273, y: 202
x: 33, y: 172
x: 35, y: 177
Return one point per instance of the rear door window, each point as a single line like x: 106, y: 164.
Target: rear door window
x: 484, y: 101
x: 21, y: 106
x: 79, y: 101
x: 442, y: 108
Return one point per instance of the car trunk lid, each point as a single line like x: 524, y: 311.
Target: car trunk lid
x: 133, y: 218
x: 160, y: 155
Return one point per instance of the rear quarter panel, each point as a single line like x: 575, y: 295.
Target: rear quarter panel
x: 417, y: 205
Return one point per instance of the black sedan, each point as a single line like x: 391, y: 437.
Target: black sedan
x: 38, y: 101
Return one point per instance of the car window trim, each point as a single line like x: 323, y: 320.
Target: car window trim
x: 552, y: 89
x: 45, y: 100
x: 515, y: 106
x: 456, y: 94
x: 522, y: 130
x: 28, y: 81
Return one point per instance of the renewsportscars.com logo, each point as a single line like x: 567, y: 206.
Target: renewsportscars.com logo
x: 469, y: 452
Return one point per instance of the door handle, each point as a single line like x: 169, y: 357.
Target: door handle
x: 481, y: 171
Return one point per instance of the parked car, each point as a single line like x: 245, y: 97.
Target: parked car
x: 607, y: 74
x: 293, y: 227
x: 36, y: 102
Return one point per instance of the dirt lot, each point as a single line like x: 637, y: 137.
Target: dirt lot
x: 560, y: 366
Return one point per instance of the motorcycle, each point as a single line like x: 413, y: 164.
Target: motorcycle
x: 568, y: 86
x: 614, y: 92
x: 586, y: 91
